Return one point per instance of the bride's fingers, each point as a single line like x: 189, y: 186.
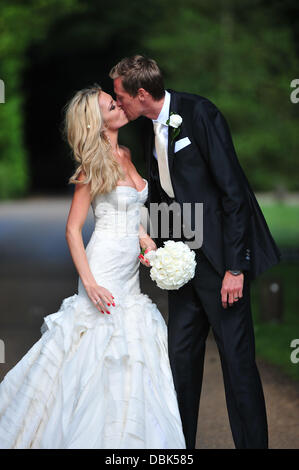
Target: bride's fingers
x: 99, y: 305
x: 109, y: 301
x: 143, y: 260
x: 107, y: 308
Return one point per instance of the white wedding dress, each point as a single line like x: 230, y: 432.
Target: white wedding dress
x: 93, y: 380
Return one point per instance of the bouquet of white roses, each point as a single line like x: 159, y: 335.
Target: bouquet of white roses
x: 173, y: 265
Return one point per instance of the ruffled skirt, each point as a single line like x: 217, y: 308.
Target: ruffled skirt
x: 94, y: 381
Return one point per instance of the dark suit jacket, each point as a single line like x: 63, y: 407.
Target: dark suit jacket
x: 235, y: 233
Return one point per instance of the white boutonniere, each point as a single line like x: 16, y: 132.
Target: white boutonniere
x: 175, y: 121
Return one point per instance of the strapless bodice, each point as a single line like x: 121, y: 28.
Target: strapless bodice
x: 118, y: 212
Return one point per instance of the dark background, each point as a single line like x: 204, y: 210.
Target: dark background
x: 242, y: 55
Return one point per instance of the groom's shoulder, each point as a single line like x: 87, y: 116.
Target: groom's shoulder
x: 192, y: 100
x: 187, y: 96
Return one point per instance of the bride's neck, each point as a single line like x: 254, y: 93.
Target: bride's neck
x: 113, y: 139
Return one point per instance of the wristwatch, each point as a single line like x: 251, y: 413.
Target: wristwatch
x: 235, y: 272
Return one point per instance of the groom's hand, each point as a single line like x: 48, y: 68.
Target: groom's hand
x: 232, y: 288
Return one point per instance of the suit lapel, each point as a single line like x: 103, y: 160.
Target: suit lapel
x: 149, y: 142
x: 172, y: 109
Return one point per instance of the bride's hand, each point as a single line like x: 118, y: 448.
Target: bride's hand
x: 149, y: 245
x: 100, y: 297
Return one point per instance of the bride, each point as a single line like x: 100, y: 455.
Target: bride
x: 99, y: 377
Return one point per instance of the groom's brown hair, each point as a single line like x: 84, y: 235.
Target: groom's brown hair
x: 137, y: 72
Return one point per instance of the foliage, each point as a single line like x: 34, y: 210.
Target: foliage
x: 283, y: 218
x: 21, y: 23
x: 243, y: 59
x: 241, y: 55
x: 273, y: 339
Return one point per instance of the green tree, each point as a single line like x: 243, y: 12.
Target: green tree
x: 21, y: 23
x: 238, y: 55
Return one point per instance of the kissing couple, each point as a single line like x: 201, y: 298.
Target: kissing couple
x: 107, y: 371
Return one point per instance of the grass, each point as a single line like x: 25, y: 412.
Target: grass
x: 273, y: 338
x: 283, y: 221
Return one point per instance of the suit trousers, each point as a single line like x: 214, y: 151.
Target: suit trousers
x: 193, y: 309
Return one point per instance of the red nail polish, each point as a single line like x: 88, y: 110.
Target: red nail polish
x: 108, y: 304
x: 109, y: 313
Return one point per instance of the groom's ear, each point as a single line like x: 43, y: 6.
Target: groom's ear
x: 142, y: 94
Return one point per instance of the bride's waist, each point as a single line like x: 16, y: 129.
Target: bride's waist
x: 117, y: 230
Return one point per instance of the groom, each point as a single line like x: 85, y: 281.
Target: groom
x: 195, y: 161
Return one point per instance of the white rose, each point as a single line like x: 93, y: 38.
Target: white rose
x: 175, y: 120
x: 165, y: 258
x: 170, y: 270
x: 150, y: 256
x: 173, y: 265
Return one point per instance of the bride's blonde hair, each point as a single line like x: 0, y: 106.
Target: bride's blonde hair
x: 85, y: 132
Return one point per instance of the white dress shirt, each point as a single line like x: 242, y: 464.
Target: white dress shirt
x: 162, y: 118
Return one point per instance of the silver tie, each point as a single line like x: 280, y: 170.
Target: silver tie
x: 162, y: 154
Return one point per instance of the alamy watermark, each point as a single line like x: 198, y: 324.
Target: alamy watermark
x: 122, y: 221
x: 2, y: 91
x: 295, y: 353
x: 294, y: 96
x: 2, y: 352
x: 181, y: 222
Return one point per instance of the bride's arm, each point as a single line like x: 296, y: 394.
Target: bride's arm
x: 76, y: 219
x: 142, y: 232
x: 146, y: 243
x: 73, y: 234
